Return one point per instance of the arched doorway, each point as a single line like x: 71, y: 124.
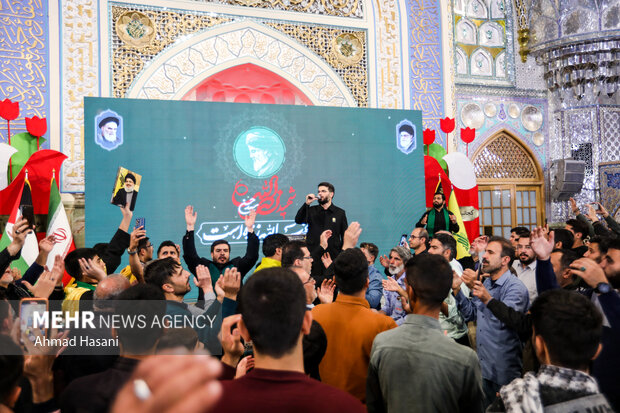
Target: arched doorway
x: 510, y: 183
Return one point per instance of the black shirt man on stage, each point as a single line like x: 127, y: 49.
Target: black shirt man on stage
x: 438, y: 218
x: 322, y: 217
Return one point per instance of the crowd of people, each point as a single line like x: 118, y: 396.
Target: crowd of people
x: 526, y: 324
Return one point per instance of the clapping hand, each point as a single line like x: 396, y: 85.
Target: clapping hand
x: 326, y: 259
x: 384, y: 260
x: 202, y: 279
x: 325, y: 235
x: 326, y: 291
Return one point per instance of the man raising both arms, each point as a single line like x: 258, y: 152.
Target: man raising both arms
x: 220, y: 251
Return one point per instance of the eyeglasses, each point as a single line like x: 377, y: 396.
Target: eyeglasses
x: 309, y: 257
x: 413, y: 236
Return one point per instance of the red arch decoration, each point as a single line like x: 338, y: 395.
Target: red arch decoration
x: 247, y: 83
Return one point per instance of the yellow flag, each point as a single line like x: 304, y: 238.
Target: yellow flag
x: 462, y: 242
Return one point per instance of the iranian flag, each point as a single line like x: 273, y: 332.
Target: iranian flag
x: 30, y: 250
x: 58, y: 226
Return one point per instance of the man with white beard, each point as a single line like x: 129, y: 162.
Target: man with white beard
x: 127, y: 194
x: 107, y: 135
x: 393, y: 305
x: 264, y: 152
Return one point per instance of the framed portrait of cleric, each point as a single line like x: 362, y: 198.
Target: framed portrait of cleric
x: 259, y: 152
x: 109, y: 130
x: 406, y: 136
x: 126, y: 187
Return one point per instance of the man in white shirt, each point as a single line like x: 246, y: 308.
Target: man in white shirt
x: 525, y: 265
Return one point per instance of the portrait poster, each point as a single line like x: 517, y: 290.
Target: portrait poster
x: 126, y: 187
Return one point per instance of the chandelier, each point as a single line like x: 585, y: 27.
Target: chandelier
x: 577, y: 42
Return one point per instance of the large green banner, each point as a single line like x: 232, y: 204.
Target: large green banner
x: 228, y: 158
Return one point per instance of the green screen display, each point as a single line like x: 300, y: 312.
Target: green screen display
x: 228, y: 158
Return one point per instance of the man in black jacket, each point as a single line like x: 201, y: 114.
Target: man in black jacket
x: 322, y: 217
x: 220, y: 251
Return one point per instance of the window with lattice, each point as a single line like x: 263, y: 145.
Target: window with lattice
x: 505, y: 159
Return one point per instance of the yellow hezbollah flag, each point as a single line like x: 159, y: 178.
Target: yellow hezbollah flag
x: 462, y: 243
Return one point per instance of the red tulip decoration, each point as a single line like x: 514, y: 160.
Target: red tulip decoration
x: 9, y: 111
x: 447, y: 125
x: 428, y: 137
x: 468, y: 135
x: 36, y: 127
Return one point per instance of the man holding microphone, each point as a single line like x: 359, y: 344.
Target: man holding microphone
x: 322, y: 217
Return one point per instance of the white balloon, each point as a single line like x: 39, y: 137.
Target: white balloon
x: 461, y: 170
x: 6, y: 151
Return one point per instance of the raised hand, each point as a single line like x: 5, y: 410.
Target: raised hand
x: 326, y: 291
x: 45, y: 247
x: 481, y: 292
x: 573, y: 206
x: 44, y: 286
x: 39, y: 361
x: 351, y: 235
x: 250, y: 219
x: 203, y: 279
x: 127, y: 215
x: 592, y: 213
x: 384, y: 260
x: 19, y: 233
x: 134, y: 238
x: 47, y: 244
x: 190, y: 217
x: 453, y: 219
x: 326, y: 259
x: 219, y: 290
x: 58, y: 270
x: 424, y: 220
x: 601, y: 210
x: 540, y: 245
x: 231, y: 283
x: 325, y: 235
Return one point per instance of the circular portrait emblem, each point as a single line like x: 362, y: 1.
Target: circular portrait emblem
x: 259, y: 152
